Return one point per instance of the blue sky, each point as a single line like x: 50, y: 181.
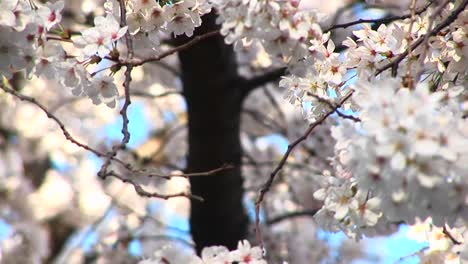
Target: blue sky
x: 390, y: 249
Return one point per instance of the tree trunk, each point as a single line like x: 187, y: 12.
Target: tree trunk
x: 214, y: 99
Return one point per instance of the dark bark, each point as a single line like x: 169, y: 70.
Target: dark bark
x: 214, y: 99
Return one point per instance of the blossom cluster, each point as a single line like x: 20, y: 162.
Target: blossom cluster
x: 32, y: 40
x: 410, y: 149
x: 445, y: 245
x: 346, y: 207
x: 23, y: 30
x: 446, y: 54
x: 279, y: 26
x: 370, y: 50
x: 29, y: 42
x: 406, y: 158
x: 154, y: 17
x: 244, y: 254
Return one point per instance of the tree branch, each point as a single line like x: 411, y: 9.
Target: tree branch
x: 189, y: 44
x: 123, y: 112
x: 269, y: 182
x: 451, y: 18
x: 338, y: 112
x: 65, y: 132
x: 379, y: 21
x: 291, y: 215
x: 450, y: 236
x: 249, y: 85
x: 142, y: 192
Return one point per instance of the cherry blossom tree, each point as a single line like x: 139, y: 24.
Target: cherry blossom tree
x: 370, y: 95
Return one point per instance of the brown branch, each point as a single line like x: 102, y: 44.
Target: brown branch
x: 376, y: 25
x: 168, y: 68
x: 409, y: 80
x: 65, y: 132
x: 291, y: 215
x: 123, y: 112
x: 379, y: 21
x: 276, y: 105
x: 193, y: 174
x: 130, y: 237
x: 153, y: 96
x: 142, y: 94
x: 422, y: 56
x: 248, y: 85
x: 264, y: 120
x: 142, y: 192
x: 269, y: 182
x: 123, y: 23
x: 451, y: 18
x: 189, y: 44
x: 450, y: 236
x: 104, y: 172
x: 338, y: 112
x: 167, y: 136
x: 68, y: 250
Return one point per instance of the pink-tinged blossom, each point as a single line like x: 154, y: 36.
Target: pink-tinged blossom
x: 245, y: 254
x: 99, y: 39
x: 50, y: 56
x: 7, y: 15
x: 50, y: 14
x: 213, y: 255
x: 154, y: 18
x: 102, y: 89
x: 143, y: 4
x: 181, y: 23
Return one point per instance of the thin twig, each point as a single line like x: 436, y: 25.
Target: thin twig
x: 264, y: 120
x: 193, y: 174
x: 409, y: 80
x: 142, y: 192
x: 131, y: 237
x: 276, y: 105
x: 123, y: 112
x: 189, y: 44
x: 451, y: 18
x: 331, y: 105
x: 142, y: 94
x: 422, y: 56
x: 65, y: 132
x: 250, y: 84
x: 411, y: 255
x: 450, y: 236
x: 384, y: 20
x: 168, y: 68
x: 108, y: 157
x: 291, y: 215
x: 269, y: 182
x: 65, y: 254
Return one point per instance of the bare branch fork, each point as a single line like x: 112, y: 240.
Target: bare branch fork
x: 137, y: 187
x: 266, y: 187
x: 65, y: 132
x: 331, y: 105
x: 103, y: 172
